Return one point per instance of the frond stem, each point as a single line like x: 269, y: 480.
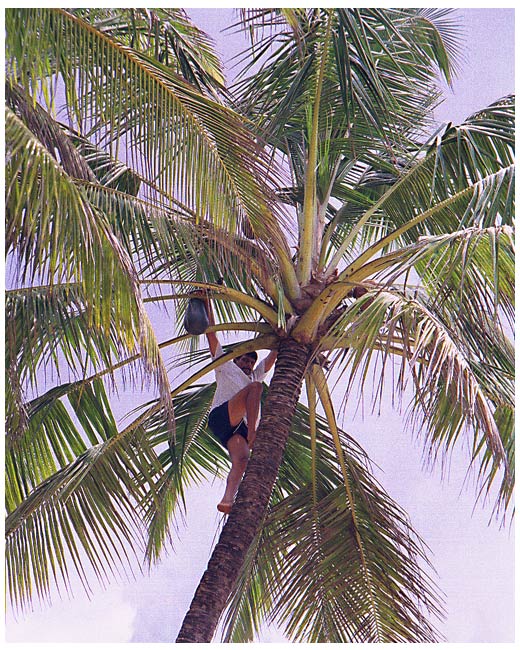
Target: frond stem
x: 320, y: 382
x: 308, y: 232
x: 233, y: 295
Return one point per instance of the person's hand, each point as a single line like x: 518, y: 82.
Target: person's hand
x: 201, y: 294
x: 251, y: 441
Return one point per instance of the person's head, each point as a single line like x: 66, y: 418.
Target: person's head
x: 246, y: 362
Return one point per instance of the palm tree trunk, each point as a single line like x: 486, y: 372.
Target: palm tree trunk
x: 253, y: 496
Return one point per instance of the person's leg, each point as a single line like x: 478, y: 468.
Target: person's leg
x: 246, y: 402
x: 239, y: 453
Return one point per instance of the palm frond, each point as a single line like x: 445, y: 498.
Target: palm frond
x: 480, y: 206
x: 48, y: 325
x: 166, y: 34
x: 447, y: 396
x: 86, y: 514
x: 197, y: 150
x: 378, y: 55
x: 195, y: 456
x: 473, y: 267
x: 166, y: 243
x: 49, y: 132
x: 40, y: 200
x: 463, y: 179
x: 51, y: 440
x: 303, y: 571
x: 107, y: 171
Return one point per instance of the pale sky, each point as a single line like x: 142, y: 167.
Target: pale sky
x: 474, y: 561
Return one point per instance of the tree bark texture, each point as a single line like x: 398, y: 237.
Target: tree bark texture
x: 253, y: 496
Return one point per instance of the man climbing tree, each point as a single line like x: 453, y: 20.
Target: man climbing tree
x: 235, y: 411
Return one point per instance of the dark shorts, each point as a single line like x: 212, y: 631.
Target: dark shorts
x: 221, y: 427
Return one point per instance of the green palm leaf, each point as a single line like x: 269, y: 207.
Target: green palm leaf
x: 195, y: 456
x: 56, y: 433
x: 42, y: 246
x: 376, y: 53
x: 196, y: 149
x: 465, y: 179
x: 448, y: 398
x: 167, y: 35
x: 87, y: 513
x: 470, y: 267
x: 55, y: 317
x: 303, y: 570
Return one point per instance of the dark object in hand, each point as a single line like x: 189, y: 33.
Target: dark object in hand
x: 357, y: 292
x: 196, y: 319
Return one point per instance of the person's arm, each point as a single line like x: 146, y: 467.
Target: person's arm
x: 269, y: 360
x: 211, y: 336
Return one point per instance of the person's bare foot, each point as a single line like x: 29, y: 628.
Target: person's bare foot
x: 224, y: 507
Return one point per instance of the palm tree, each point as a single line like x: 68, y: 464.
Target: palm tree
x: 402, y: 257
